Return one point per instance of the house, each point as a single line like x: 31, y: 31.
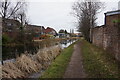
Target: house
x: 11, y: 27
x: 77, y: 34
x: 50, y: 31
x: 112, y: 17
x: 63, y: 34
x: 37, y: 31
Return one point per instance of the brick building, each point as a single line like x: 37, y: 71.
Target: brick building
x: 36, y: 30
x: 11, y: 27
x: 108, y: 35
x: 50, y: 31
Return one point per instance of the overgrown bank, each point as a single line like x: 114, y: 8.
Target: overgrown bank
x: 27, y: 64
x: 58, y: 67
x: 98, y: 63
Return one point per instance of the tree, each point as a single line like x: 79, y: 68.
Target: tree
x: 14, y: 10
x: 11, y: 10
x: 8, y: 9
x: 66, y: 32
x: 86, y: 12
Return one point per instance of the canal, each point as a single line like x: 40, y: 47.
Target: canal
x: 64, y: 44
x: 9, y: 53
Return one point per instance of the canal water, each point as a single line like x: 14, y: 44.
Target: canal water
x: 9, y: 52
x: 64, y: 44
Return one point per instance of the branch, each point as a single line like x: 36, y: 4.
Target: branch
x: 16, y: 8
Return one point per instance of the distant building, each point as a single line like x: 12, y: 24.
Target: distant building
x: 50, y: 31
x: 35, y: 30
x: 111, y: 17
x: 61, y: 31
x: 78, y: 34
x: 63, y: 34
x: 11, y: 27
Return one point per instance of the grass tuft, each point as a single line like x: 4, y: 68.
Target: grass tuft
x: 98, y: 63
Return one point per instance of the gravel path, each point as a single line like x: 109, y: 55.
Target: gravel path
x: 75, y: 67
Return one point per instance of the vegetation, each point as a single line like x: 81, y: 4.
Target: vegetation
x: 85, y: 12
x: 27, y: 63
x: 116, y: 21
x: 98, y: 63
x: 6, y: 39
x: 13, y: 49
x: 58, y: 66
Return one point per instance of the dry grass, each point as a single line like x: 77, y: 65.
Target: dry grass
x: 46, y: 55
x: 27, y: 64
x: 9, y: 70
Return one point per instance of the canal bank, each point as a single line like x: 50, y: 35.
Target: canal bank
x: 59, y: 65
x: 65, y: 45
x: 27, y: 64
x: 98, y: 63
x: 12, y: 51
x: 32, y: 65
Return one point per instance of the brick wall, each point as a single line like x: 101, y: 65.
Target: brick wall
x: 98, y: 36
x: 108, y: 36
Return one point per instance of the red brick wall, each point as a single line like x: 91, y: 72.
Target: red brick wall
x: 108, y: 36
x: 98, y: 36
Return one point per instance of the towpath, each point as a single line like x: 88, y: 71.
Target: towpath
x: 75, y: 67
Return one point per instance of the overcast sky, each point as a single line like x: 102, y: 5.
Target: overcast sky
x: 56, y: 13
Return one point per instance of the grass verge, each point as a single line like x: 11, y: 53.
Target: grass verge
x: 59, y: 65
x: 98, y: 63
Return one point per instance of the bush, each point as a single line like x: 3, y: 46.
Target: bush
x: 6, y: 39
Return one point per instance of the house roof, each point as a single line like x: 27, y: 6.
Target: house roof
x: 112, y: 12
x: 35, y: 26
x: 11, y: 21
x: 61, y: 31
x: 48, y: 29
x: 99, y: 26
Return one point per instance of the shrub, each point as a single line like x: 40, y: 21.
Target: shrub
x: 6, y: 39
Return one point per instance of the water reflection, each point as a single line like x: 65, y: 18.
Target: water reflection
x: 66, y: 43
x: 13, y: 51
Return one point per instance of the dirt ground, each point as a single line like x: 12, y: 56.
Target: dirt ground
x: 75, y: 67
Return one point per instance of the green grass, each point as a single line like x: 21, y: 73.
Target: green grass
x: 59, y: 65
x: 98, y: 63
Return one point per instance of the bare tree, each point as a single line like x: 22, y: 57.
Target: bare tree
x: 8, y: 8
x: 85, y: 13
x: 17, y: 11
x: 13, y: 10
